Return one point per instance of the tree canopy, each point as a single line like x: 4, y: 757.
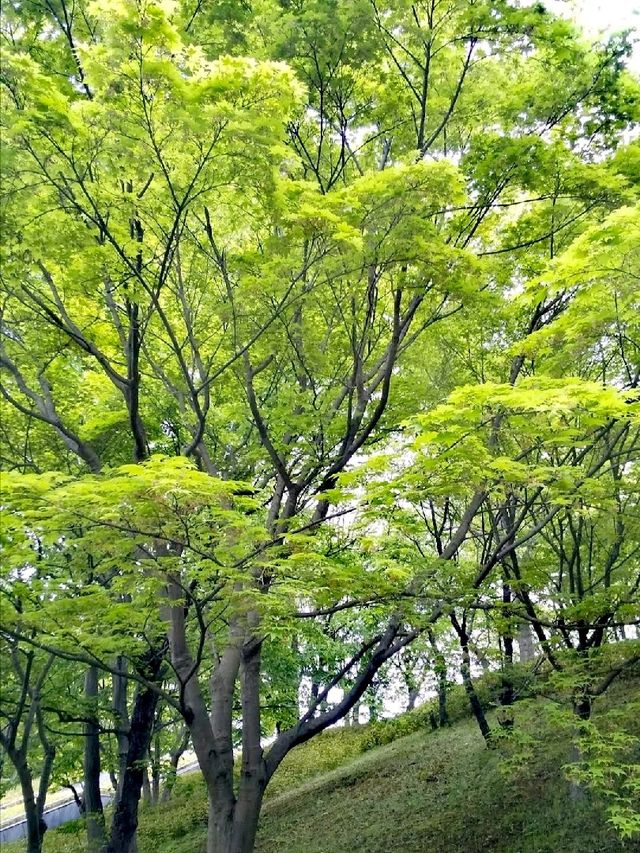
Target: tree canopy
x: 320, y: 356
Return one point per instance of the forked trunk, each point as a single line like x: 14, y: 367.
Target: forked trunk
x: 233, y: 829
x: 233, y: 820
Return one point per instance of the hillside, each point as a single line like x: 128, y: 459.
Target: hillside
x: 441, y: 791
x: 434, y: 792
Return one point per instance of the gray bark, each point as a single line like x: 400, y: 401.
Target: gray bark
x: 121, y: 714
x: 525, y: 643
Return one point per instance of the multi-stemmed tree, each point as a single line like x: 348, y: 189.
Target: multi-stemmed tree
x: 225, y: 280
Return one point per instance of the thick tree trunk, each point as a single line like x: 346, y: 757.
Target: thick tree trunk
x: 219, y: 829
x: 235, y: 831
x: 91, y: 791
x: 525, y: 643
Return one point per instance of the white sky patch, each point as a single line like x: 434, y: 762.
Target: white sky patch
x: 603, y: 17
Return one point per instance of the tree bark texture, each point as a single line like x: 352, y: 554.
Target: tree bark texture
x: 125, y: 815
x: 91, y: 791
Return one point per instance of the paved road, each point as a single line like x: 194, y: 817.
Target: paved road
x: 61, y: 813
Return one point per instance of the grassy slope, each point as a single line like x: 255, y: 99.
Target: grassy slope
x: 438, y: 792
x: 441, y: 792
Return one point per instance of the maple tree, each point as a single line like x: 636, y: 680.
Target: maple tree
x: 383, y: 270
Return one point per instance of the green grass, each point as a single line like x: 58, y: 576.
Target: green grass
x: 441, y: 792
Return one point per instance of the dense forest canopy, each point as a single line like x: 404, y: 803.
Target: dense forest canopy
x: 320, y: 364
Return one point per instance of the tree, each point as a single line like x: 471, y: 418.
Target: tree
x: 204, y: 261
x: 23, y: 723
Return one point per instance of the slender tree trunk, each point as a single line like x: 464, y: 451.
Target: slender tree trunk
x: 582, y: 710
x: 476, y: 706
x: 46, y: 770
x: 174, y: 760
x: 576, y: 790
x: 121, y: 714
x: 253, y: 777
x: 413, y: 693
x: 441, y: 670
x: 443, y: 716
x: 507, y: 692
x: 155, y: 780
x: 482, y: 660
x: 76, y: 798
x: 465, y: 672
x: 146, y: 787
x: 155, y: 756
x: 125, y: 814
x: 35, y: 825
x: 91, y: 791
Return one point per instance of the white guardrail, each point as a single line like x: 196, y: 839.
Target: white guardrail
x: 16, y: 828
